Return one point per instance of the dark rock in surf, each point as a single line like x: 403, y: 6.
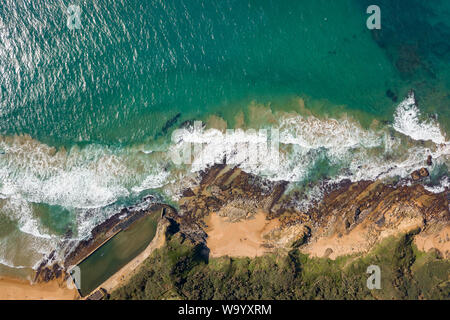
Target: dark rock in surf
x: 415, y: 175
x: 424, y: 172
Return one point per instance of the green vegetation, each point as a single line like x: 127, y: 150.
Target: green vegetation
x: 181, y: 270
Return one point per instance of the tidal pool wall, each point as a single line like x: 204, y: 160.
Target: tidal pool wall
x: 116, y: 253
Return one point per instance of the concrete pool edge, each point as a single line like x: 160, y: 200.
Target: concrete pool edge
x: 103, y: 232
x: 129, y: 269
x: 117, y: 229
x: 52, y: 269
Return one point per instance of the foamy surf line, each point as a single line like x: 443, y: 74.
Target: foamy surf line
x: 407, y: 121
x: 92, y: 179
x: 12, y: 266
x: 86, y: 183
x: 95, y: 177
x: 307, y: 139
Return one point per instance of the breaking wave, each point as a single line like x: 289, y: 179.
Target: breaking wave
x: 347, y: 150
x: 305, y: 150
x: 407, y: 121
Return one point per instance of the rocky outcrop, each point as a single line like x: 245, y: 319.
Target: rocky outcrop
x: 419, y: 174
x: 351, y: 217
x: 354, y: 218
x: 423, y: 172
x: 227, y: 191
x: 49, y: 269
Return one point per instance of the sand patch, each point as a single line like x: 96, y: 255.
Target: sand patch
x: 361, y: 239
x: 335, y: 246
x: 439, y: 241
x: 15, y: 289
x: 216, y: 123
x: 244, y: 238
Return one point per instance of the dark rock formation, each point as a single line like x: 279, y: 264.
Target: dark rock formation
x: 170, y: 123
x: 234, y: 194
x: 48, y: 269
x: 415, y: 175
x: 390, y: 94
x: 419, y: 174
x: 424, y: 172
x: 228, y: 191
x: 357, y: 213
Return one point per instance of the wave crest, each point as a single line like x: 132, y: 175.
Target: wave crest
x: 407, y: 121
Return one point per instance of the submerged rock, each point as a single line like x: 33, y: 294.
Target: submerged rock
x: 390, y: 94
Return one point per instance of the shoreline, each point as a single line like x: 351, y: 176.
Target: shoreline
x: 233, y: 213
x: 55, y: 288
x: 18, y: 289
x: 352, y: 217
x: 127, y: 271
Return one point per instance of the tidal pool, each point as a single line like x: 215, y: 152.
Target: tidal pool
x: 116, y: 253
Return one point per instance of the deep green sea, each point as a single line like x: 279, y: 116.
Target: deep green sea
x: 90, y: 117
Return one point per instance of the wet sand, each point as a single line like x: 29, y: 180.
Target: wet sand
x: 16, y: 289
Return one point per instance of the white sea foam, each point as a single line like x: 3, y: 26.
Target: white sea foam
x: 407, y: 121
x: 335, y: 135
x: 444, y: 184
x: 301, y: 139
x: 91, y: 177
x: 179, y: 182
x: 20, y: 210
x: 248, y: 149
x: 89, y: 180
x: 153, y: 181
x: 361, y: 154
x: 86, y: 181
x: 25, y: 250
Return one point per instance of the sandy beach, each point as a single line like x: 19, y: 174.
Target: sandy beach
x: 16, y: 289
x: 244, y: 238
x: 437, y: 240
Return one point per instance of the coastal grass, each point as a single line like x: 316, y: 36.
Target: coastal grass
x: 181, y: 270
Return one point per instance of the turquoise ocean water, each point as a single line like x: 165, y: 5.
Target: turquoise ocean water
x: 87, y: 115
